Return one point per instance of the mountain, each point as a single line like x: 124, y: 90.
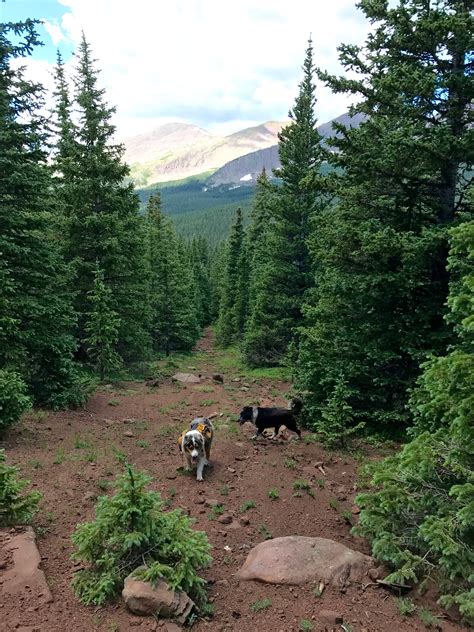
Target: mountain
x: 178, y: 150
x: 246, y: 169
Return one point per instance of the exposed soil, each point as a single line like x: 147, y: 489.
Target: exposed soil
x: 70, y: 457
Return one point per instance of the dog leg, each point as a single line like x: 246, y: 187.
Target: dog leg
x: 200, y: 467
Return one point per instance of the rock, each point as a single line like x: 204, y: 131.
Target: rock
x: 355, y: 509
x: 128, y: 433
x: 24, y: 576
x: 141, y: 598
x: 153, y: 383
x: 298, y: 560
x: 90, y: 497
x: 331, y: 617
x: 236, y: 379
x: 186, y: 378
x: 217, y: 377
x: 378, y: 573
x: 231, y: 470
x: 225, y: 519
x: 211, y: 502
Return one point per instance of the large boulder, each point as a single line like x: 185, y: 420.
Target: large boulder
x: 186, y: 378
x: 23, y: 576
x: 298, y: 560
x: 143, y: 599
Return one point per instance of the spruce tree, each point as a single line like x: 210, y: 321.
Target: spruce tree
x: 198, y: 250
x: 36, y: 342
x: 419, y: 510
x: 171, y: 291
x: 101, y: 212
x: 380, y: 254
x: 102, y: 326
x: 287, y: 272
x: 230, y: 322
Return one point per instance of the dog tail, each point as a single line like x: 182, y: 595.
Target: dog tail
x: 296, y: 405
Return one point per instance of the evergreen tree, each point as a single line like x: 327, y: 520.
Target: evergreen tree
x: 286, y: 275
x: 102, y: 327
x: 36, y: 345
x: 380, y: 254
x: 419, y: 512
x: 231, y: 317
x: 102, y: 213
x: 199, y: 261
x: 174, y: 322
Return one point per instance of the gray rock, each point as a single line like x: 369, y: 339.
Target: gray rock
x: 143, y: 599
x: 186, y: 378
x: 298, y: 560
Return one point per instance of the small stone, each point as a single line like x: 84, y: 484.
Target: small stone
x: 231, y: 470
x: 331, y: 617
x: 128, y: 433
x: 217, y: 377
x: 89, y: 496
x: 355, y: 510
x: 225, y: 519
x: 211, y: 502
x: 236, y: 379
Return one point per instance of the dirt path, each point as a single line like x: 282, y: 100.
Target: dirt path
x: 71, y: 457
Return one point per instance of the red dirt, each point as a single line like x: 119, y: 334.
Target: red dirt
x: 242, y: 472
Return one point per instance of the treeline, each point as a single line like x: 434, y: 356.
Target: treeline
x: 362, y: 280
x: 87, y: 283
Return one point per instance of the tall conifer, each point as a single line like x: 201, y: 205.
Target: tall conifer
x: 380, y: 255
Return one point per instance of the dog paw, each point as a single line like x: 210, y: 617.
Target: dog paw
x: 199, y: 479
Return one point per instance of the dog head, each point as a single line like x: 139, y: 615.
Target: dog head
x: 193, y: 444
x: 246, y: 414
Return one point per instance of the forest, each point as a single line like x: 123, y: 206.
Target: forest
x: 359, y: 280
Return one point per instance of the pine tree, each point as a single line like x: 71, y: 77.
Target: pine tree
x: 199, y: 260
x: 286, y: 275
x: 102, y: 326
x: 36, y: 341
x: 102, y: 212
x: 419, y: 512
x: 231, y: 317
x: 174, y: 322
x: 380, y: 254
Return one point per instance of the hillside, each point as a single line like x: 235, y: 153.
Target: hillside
x: 178, y: 150
x: 246, y: 169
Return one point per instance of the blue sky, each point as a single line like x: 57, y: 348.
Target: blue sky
x: 51, y: 10
x: 222, y: 66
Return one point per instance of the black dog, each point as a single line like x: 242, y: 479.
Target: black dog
x: 272, y: 417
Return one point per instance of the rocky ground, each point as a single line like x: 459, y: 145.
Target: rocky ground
x: 264, y: 490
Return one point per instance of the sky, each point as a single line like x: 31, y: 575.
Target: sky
x: 220, y: 65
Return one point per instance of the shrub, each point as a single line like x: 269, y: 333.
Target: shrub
x: 337, y: 425
x: 15, y: 507
x: 131, y: 529
x: 13, y: 398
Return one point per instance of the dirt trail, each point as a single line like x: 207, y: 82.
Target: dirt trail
x: 70, y: 456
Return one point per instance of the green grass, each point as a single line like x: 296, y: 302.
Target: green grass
x: 290, y: 463
x: 82, y: 444
x: 428, y: 618
x: 405, y: 606
x: 231, y: 360
x: 216, y: 510
x: 209, y: 402
x: 142, y: 443
x: 60, y: 456
x: 113, y: 402
x: 305, y: 625
x: 103, y: 484
x: 303, y: 486
x: 334, y: 504
x: 36, y: 464
x: 273, y: 493
x: 224, y: 490
x: 245, y: 506
x: 265, y: 532
x: 261, y: 604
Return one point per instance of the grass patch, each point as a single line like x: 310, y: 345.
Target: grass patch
x: 245, y: 506
x: 208, y: 402
x: 290, y: 463
x: 305, y: 625
x: 303, y: 486
x: 60, y: 457
x: 405, y: 606
x: 231, y: 359
x: 204, y: 389
x: 273, y: 493
x: 334, y: 504
x: 260, y: 604
x: 216, y: 510
x: 113, y: 402
x: 428, y: 618
x: 265, y: 532
x: 82, y: 444
x: 142, y: 443
x: 224, y: 490
x: 348, y: 517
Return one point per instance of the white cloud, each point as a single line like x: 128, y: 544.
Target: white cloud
x: 208, y: 62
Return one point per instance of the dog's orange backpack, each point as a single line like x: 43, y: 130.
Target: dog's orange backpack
x: 180, y: 439
x: 204, y: 430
